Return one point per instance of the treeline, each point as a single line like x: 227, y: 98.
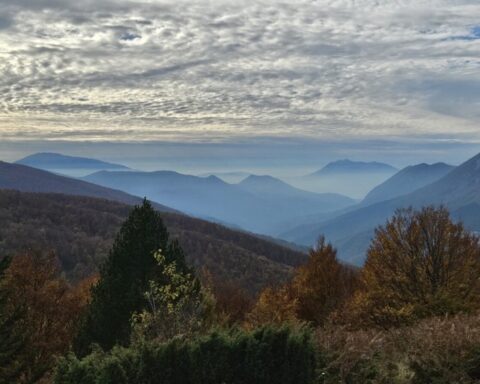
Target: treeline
x: 408, y: 316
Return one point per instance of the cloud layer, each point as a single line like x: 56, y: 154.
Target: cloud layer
x: 216, y: 71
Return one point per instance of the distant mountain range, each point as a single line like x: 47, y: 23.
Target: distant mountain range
x: 341, y: 167
x: 257, y: 204
x: 347, y: 177
x: 272, y: 207
x: 458, y: 189
x: 28, y: 179
x: 407, y: 180
x: 71, y: 165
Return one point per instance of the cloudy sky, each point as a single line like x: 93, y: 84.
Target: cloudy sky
x: 191, y: 82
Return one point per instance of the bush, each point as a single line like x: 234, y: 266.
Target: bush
x: 439, y: 350
x: 265, y: 355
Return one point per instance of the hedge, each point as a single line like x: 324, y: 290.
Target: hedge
x: 265, y: 355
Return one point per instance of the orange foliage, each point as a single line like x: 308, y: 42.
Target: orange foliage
x: 274, y: 306
x: 419, y: 264
x: 317, y: 290
x: 323, y: 284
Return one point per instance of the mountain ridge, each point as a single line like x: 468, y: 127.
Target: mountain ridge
x: 28, y: 179
x: 256, y: 204
x: 58, y: 161
x: 456, y: 190
x: 407, y: 180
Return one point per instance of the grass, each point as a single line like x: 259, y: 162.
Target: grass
x: 442, y: 350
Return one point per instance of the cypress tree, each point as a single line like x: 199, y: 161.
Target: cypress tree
x: 12, y: 337
x: 123, y: 282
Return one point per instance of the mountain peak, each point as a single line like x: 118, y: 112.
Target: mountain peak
x: 214, y: 179
x: 263, y: 180
x: 350, y: 166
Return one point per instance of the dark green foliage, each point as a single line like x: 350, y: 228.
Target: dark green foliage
x: 12, y: 339
x: 266, y: 355
x: 123, y: 280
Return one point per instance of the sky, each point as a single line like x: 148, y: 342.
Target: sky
x: 216, y: 85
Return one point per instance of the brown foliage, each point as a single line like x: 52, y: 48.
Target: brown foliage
x: 232, y: 302
x: 51, y: 310
x: 317, y: 290
x: 419, y: 264
x: 436, y: 350
x: 274, y: 306
x: 322, y: 285
x: 80, y: 230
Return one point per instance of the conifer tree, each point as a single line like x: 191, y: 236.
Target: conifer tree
x: 12, y: 340
x: 124, y: 279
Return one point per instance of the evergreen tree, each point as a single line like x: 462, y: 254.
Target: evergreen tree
x: 12, y: 340
x: 124, y: 279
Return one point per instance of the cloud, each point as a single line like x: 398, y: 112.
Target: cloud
x: 218, y: 71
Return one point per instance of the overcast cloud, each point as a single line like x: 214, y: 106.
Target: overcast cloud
x: 223, y: 71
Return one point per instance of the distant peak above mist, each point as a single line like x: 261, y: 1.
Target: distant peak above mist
x: 263, y: 180
x: 57, y: 161
x: 349, y: 166
x: 229, y: 177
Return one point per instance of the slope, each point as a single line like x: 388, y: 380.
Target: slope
x: 81, y: 230
x: 26, y: 179
x: 459, y: 190
x: 407, y: 180
x: 256, y: 204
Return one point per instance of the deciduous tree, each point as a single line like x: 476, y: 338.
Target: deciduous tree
x: 318, y: 288
x: 323, y: 284
x: 420, y: 263
x: 49, y: 309
x: 12, y: 332
x: 177, y: 304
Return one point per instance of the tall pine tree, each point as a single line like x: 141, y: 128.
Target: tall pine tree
x: 12, y: 335
x: 124, y: 279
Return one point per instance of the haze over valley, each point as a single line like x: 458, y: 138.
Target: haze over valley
x: 265, y: 205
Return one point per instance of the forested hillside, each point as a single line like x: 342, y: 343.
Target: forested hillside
x: 81, y: 230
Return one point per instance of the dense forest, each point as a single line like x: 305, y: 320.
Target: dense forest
x: 146, y: 315
x: 80, y: 230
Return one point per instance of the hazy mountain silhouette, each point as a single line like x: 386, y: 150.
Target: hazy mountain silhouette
x: 407, y: 180
x: 346, y: 166
x: 229, y: 177
x: 351, y: 178
x: 27, y: 179
x: 71, y: 165
x: 256, y: 204
x: 458, y: 190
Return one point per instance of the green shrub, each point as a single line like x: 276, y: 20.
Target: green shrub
x: 265, y: 355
